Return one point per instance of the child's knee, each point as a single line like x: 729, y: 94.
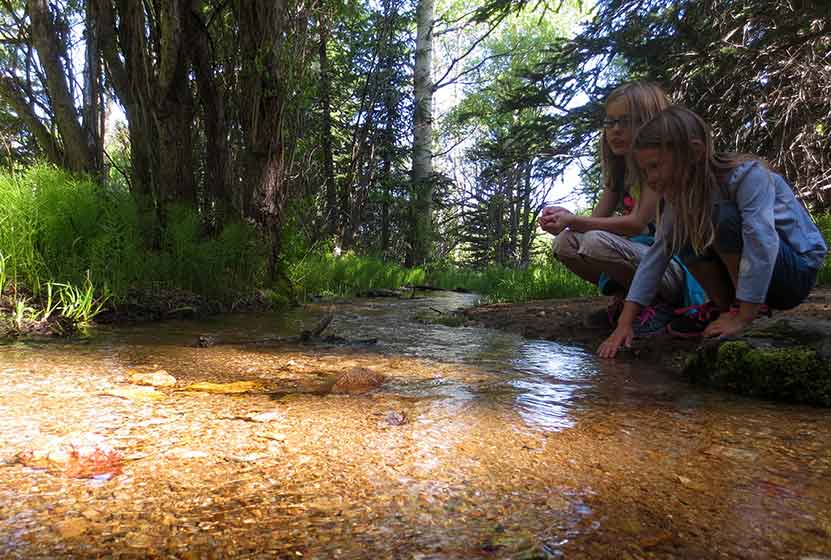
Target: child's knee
x: 565, y: 245
x: 601, y: 245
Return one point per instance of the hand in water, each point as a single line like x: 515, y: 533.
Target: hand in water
x: 622, y: 336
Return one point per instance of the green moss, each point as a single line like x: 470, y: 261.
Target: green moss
x: 792, y: 373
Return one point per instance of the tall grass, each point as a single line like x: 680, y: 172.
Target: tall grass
x: 326, y: 274
x: 92, y: 240
x: 502, y: 284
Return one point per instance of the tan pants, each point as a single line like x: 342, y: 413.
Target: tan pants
x: 590, y: 253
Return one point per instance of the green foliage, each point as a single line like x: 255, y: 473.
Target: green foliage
x: 78, y: 305
x: 505, y: 284
x: 92, y: 243
x: 326, y: 274
x: 823, y: 221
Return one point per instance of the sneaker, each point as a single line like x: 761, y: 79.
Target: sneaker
x: 691, y: 321
x: 605, y: 318
x: 653, y: 320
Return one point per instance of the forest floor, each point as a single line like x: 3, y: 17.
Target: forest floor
x: 564, y: 320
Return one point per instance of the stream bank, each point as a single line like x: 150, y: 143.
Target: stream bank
x: 803, y: 332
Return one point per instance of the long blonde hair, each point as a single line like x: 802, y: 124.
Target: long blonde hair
x: 697, y: 172
x: 644, y: 100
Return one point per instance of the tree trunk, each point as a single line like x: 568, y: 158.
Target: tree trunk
x: 94, y: 115
x: 11, y: 92
x: 174, y: 103
x: 422, y: 184
x: 261, y: 25
x: 512, y: 188
x: 217, y: 150
x: 46, y: 42
x: 326, y: 133
x: 152, y: 82
x: 529, y: 225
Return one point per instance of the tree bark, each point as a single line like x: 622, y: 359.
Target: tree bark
x: 529, y: 225
x: 261, y: 24
x: 152, y: 82
x: 12, y: 93
x: 94, y: 115
x: 422, y: 184
x: 326, y: 140
x: 46, y: 41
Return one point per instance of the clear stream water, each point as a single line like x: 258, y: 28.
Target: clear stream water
x: 480, y: 444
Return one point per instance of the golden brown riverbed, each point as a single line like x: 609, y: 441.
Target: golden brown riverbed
x: 480, y: 444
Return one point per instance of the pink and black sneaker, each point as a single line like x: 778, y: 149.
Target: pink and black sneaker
x: 691, y: 321
x: 652, y: 320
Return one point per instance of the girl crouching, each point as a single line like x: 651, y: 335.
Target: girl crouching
x: 734, y: 222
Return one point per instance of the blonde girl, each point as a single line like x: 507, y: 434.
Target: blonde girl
x: 606, y: 247
x: 736, y: 224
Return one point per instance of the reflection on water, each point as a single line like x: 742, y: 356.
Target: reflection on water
x: 508, y: 448
x: 553, y: 376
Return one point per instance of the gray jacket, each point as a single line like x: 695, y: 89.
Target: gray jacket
x: 769, y: 211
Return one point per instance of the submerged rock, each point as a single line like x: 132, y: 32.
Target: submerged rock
x: 158, y: 378
x: 358, y: 380
x: 785, y: 359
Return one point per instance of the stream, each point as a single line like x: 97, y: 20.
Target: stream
x: 479, y: 444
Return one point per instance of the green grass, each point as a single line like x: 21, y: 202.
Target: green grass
x: 326, y: 274
x: 347, y: 275
x: 70, y: 243
x: 500, y: 284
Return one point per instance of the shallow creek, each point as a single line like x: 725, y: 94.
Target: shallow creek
x: 480, y: 444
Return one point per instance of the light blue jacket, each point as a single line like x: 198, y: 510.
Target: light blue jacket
x: 769, y: 211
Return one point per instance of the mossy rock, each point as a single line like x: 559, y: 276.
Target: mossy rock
x: 786, y: 360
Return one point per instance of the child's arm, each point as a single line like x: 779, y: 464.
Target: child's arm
x: 623, y: 333
x: 629, y: 225
x: 643, y: 289
x: 755, y: 198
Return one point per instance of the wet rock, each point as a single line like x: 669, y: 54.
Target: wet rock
x: 395, y: 418
x: 133, y: 393
x: 205, y: 341
x: 357, y: 380
x: 183, y: 453
x: 340, y: 341
x: 224, y: 388
x: 379, y: 293
x: 785, y: 359
x: 83, y: 456
x: 267, y: 416
x: 158, y: 378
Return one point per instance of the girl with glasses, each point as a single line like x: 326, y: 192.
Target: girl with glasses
x: 606, y: 247
x: 734, y: 221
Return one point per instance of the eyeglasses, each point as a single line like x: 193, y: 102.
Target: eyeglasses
x: 623, y: 122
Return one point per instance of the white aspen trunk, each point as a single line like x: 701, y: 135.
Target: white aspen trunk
x: 422, y: 136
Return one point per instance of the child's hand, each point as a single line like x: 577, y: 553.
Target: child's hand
x: 555, y: 219
x: 622, y: 336
x: 727, y: 325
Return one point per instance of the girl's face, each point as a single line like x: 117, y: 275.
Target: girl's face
x: 618, y: 126
x: 656, y: 167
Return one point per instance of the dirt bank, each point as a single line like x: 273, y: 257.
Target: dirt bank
x: 563, y: 320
